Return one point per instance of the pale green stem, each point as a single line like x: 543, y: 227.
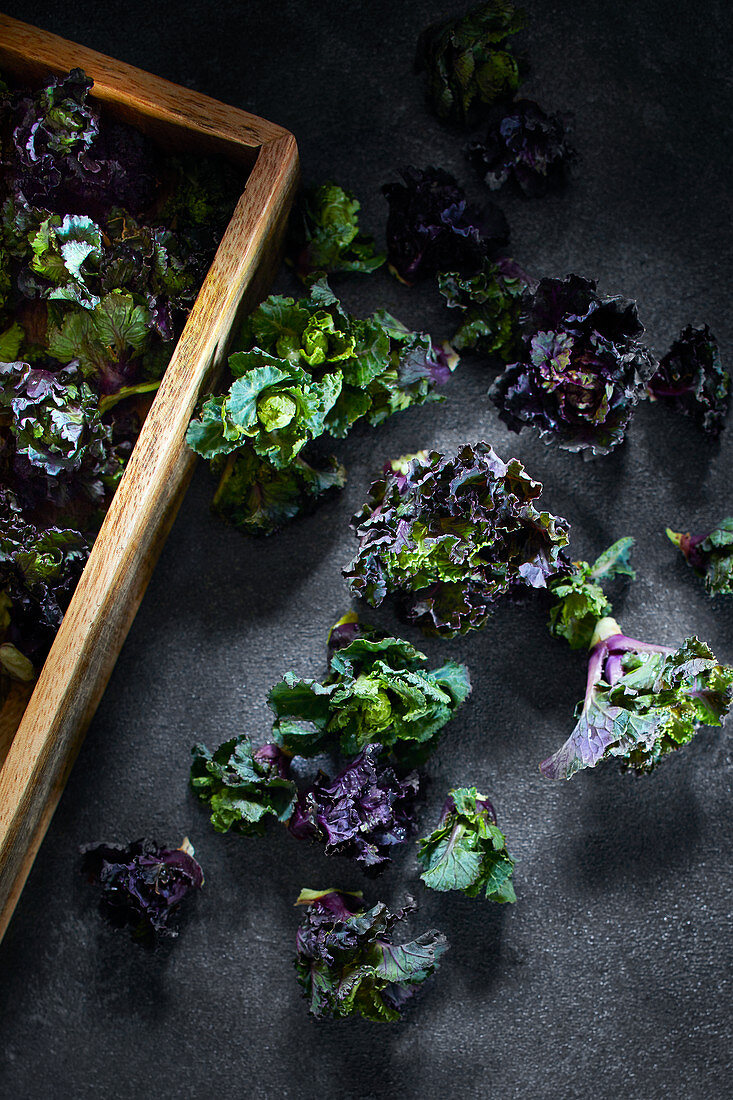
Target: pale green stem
x: 605, y: 628
x: 111, y: 399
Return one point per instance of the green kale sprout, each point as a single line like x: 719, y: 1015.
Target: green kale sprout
x: 309, y: 370
x: 468, y: 61
x: 325, y: 236
x: 243, y: 787
x: 377, y: 691
x: 489, y: 301
x: 467, y: 850
x: 579, y: 595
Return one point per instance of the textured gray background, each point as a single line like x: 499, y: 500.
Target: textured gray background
x: 611, y: 975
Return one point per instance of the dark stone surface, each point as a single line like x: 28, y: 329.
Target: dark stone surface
x: 611, y: 975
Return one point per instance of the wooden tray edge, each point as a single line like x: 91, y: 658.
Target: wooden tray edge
x: 104, y: 604
x: 120, y: 83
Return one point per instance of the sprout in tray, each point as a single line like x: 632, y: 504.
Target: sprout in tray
x: 583, y: 369
x: 450, y: 535
x: 39, y: 568
x: 525, y: 146
x: 348, y: 962
x: 431, y: 228
x: 144, y: 886
x: 64, y: 154
x: 61, y: 443
x: 95, y: 286
x: 65, y: 253
x: 111, y: 342
x: 710, y: 555
x: 692, y: 379
x: 15, y: 667
x: 468, y: 61
x: 467, y: 850
x: 642, y: 702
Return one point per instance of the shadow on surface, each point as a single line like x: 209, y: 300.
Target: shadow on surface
x: 642, y: 834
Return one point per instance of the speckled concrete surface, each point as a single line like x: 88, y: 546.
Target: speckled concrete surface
x: 611, y: 975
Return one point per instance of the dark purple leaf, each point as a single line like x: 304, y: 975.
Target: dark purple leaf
x: 691, y: 379
x: 430, y: 227
x: 362, y: 813
x: 583, y: 369
x: 523, y: 145
x: 143, y: 885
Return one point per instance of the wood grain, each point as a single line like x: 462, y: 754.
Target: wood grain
x: 174, y: 115
x: 78, y: 667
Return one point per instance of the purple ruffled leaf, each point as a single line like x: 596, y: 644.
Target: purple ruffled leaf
x: 143, y: 884
x: 364, y: 812
x: 583, y: 369
x: 691, y: 379
x: 523, y: 145
x: 430, y: 227
x: 452, y: 534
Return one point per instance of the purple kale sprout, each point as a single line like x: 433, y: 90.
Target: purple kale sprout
x: 59, y: 447
x: 348, y: 962
x: 442, y: 364
x: 54, y: 414
x: 691, y: 547
x: 450, y: 535
x: 143, y: 885
x: 121, y: 174
x: 331, y: 905
x: 524, y: 146
x: 61, y: 157
x: 39, y: 569
x: 272, y: 757
x: 591, y: 740
x: 54, y: 126
x: 431, y: 229
x: 583, y: 369
x: 642, y: 702
x: 691, y: 379
x: 326, y: 911
x: 364, y: 812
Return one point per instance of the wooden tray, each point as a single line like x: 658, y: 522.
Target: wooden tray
x: 51, y: 727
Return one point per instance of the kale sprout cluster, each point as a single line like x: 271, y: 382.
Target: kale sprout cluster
x: 103, y: 245
x: 380, y: 708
